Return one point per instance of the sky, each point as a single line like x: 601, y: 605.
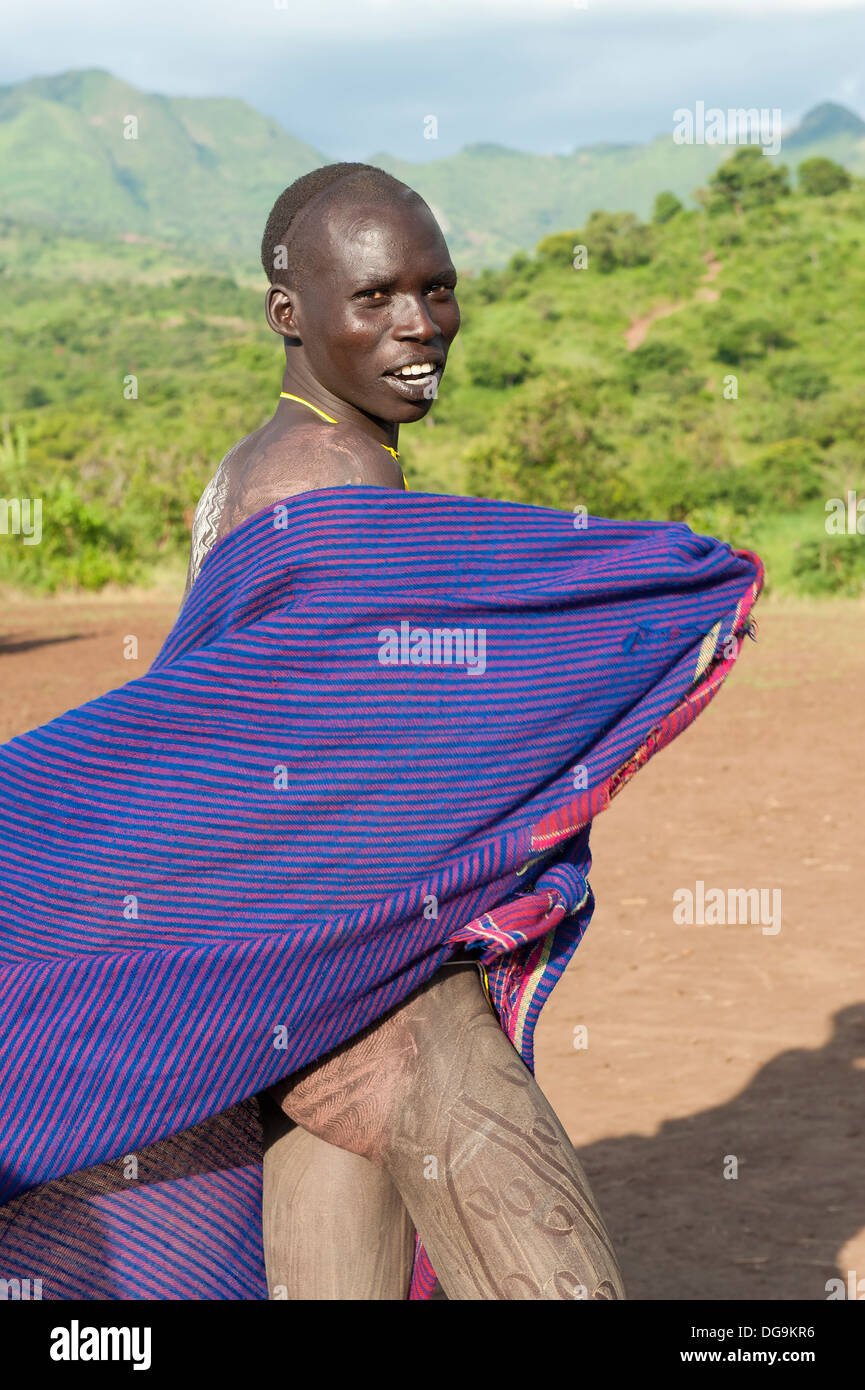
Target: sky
x: 355, y: 78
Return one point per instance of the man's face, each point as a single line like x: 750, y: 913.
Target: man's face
x: 378, y: 294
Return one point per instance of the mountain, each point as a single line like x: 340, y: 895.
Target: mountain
x: 200, y: 168
x: 491, y: 204
x: 832, y: 131
x: 824, y: 123
x: 205, y: 171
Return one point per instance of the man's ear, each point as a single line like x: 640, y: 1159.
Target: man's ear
x: 279, y: 309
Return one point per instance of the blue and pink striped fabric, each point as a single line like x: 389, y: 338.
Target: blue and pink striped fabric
x: 224, y: 869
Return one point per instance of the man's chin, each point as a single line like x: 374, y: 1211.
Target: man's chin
x: 408, y: 413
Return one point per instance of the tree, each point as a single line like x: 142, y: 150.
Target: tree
x: 617, y: 238
x: 825, y: 567
x: 749, y: 179
x: 804, y: 380
x: 742, y: 339
x: 497, y: 363
x: 787, y: 474
x: 819, y: 177
x: 611, y: 239
x: 558, y: 248
x: 666, y: 206
x: 544, y: 448
x: 660, y: 366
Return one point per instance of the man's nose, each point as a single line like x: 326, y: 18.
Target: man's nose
x: 414, y: 320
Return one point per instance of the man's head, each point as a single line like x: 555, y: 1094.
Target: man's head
x: 361, y: 284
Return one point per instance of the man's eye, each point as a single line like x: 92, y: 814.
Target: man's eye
x: 373, y: 294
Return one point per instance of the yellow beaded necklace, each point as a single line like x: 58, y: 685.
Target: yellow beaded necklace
x: 286, y: 395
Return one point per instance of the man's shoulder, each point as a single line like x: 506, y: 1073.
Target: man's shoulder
x: 343, y: 450
x: 315, y: 456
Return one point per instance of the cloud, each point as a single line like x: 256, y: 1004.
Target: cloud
x: 355, y: 78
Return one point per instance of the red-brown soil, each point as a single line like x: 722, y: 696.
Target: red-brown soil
x: 704, y: 1042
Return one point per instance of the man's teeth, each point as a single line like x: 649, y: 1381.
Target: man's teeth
x: 419, y: 369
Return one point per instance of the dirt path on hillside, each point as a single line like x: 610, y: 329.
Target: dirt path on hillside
x: 635, y: 333
x: 706, y: 1044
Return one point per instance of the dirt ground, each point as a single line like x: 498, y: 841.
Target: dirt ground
x: 638, y: 328
x: 706, y: 1044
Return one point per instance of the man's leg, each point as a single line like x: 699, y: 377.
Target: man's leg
x: 437, y: 1098
x: 334, y: 1225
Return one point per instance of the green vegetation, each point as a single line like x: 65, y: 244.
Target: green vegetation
x: 819, y: 177
x: 747, y: 180
x: 666, y: 205
x: 616, y: 239
x: 88, y: 153
x: 741, y: 411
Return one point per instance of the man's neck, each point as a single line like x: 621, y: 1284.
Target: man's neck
x: 299, y: 381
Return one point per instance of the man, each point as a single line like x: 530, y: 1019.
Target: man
x: 362, y: 292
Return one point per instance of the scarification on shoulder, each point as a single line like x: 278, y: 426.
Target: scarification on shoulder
x: 205, y: 522
x: 333, y: 456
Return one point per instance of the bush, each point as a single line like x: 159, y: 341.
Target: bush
x: 803, y: 380
x: 558, y: 249
x: 831, y: 566
x: 35, y: 396
x: 677, y: 486
x: 660, y: 366
x: 548, y: 308
x: 545, y: 450
x: 84, y: 543
x: 749, y: 179
x: 840, y: 417
x: 819, y: 177
x: 617, y: 239
x: 495, y: 365
x: 611, y: 238
x: 489, y: 285
x: 743, y: 339
x: 787, y: 474
x: 523, y: 266
x: 685, y: 486
x: 666, y: 206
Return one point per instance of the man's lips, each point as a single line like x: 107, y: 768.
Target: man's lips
x: 411, y: 366
x: 412, y: 378
x: 415, y: 388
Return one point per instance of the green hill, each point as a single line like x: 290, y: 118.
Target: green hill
x: 827, y: 125
x: 200, y: 170
x: 707, y: 369
x: 206, y: 170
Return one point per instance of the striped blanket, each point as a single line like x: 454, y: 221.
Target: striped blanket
x: 377, y: 734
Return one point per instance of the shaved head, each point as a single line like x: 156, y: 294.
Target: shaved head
x: 292, y: 246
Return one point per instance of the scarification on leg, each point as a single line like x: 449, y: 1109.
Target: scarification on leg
x: 541, y: 1220
x: 521, y: 1222
x: 349, y: 1097
x: 554, y: 1173
x: 509, y: 1213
